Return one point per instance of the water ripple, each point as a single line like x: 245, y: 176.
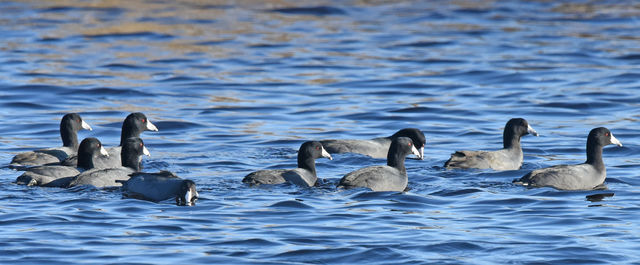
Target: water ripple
x: 238, y: 87
x: 315, y: 10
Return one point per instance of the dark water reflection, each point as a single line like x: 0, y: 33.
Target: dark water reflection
x: 238, y: 86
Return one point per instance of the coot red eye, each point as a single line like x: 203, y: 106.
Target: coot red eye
x: 140, y: 144
x: 144, y: 120
x: 317, y: 147
x: 606, y: 134
x: 409, y: 144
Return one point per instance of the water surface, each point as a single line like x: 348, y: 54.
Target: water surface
x: 237, y: 87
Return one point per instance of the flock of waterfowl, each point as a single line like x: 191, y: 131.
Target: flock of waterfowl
x: 89, y: 163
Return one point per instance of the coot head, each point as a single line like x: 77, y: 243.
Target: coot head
x: 74, y: 121
x: 188, y: 193
x: 418, y: 138
x: 313, y: 149
x: 132, y: 151
x: 399, y: 149
x: 134, y: 125
x: 90, y: 148
x: 70, y: 124
x: 519, y: 127
x: 601, y: 136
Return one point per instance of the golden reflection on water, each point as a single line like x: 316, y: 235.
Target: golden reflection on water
x: 78, y: 40
x: 145, y: 32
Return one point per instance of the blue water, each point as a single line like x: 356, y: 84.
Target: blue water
x: 237, y: 87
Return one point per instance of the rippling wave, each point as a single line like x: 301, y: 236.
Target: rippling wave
x: 234, y: 88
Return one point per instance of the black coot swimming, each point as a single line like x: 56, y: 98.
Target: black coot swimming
x: 70, y: 124
x: 134, y: 124
x: 508, y: 158
x: 392, y: 177
x: 60, y: 176
x: 585, y: 176
x: 304, y: 175
x: 160, y: 186
x: 376, y: 147
x: 131, y: 156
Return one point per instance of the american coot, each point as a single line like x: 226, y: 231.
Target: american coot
x: 585, y: 176
x: 508, y: 158
x: 304, y: 175
x: 160, y: 186
x: 59, y: 176
x: 133, y: 126
x: 392, y: 177
x: 376, y: 147
x: 70, y: 124
x: 131, y: 157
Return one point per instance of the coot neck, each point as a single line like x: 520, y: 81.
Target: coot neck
x: 130, y: 159
x: 510, y: 140
x: 85, y: 160
x: 594, y: 155
x: 395, y: 159
x: 307, y: 162
x: 129, y: 130
x: 69, y: 136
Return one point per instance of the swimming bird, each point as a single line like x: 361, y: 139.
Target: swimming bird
x: 376, y: 147
x: 392, y: 177
x: 585, y: 176
x: 508, y: 158
x: 70, y: 124
x: 304, y: 175
x: 60, y: 176
x: 131, y: 156
x: 160, y: 186
x: 134, y: 124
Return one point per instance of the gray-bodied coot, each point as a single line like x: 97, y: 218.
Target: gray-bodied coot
x: 70, y: 124
x: 131, y: 156
x: 585, y: 176
x: 60, y: 176
x: 508, y: 158
x: 134, y: 124
x: 376, y: 147
x: 304, y: 175
x: 160, y: 186
x: 392, y: 177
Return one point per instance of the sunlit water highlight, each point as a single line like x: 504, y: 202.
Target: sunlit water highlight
x: 237, y: 87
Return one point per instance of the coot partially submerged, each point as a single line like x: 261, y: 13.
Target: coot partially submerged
x: 160, y: 186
